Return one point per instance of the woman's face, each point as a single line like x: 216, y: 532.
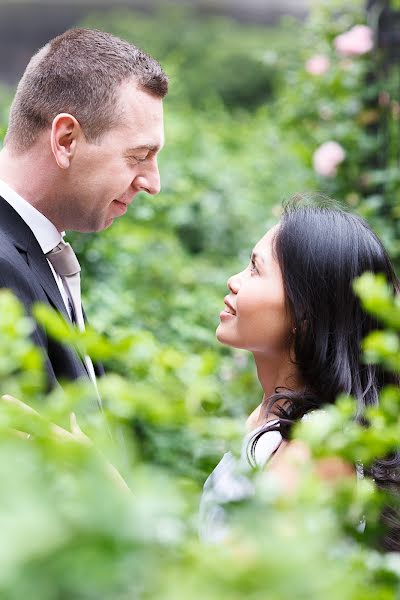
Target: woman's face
x: 255, y: 316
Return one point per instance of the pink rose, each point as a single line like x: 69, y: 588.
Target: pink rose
x: 327, y: 158
x: 317, y: 65
x: 358, y: 40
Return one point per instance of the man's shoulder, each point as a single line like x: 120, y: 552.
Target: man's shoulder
x: 15, y: 232
x: 15, y: 273
x: 8, y: 249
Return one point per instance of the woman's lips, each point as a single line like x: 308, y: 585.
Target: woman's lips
x: 226, y: 316
x: 229, y: 312
x: 229, y: 308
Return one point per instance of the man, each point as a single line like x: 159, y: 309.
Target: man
x: 85, y: 128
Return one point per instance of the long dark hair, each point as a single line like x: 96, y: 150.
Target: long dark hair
x: 321, y: 248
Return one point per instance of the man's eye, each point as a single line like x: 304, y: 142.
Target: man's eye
x: 140, y: 158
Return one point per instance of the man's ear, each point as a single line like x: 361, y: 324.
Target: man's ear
x: 65, y: 131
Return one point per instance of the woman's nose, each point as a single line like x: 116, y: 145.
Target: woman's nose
x: 234, y: 283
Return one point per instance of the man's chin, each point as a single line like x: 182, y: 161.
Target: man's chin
x: 108, y: 224
x: 93, y: 227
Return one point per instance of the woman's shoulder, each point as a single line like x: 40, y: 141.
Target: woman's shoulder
x: 264, y: 440
x: 253, y: 420
x: 261, y: 443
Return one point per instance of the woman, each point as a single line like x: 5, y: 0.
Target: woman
x: 294, y: 308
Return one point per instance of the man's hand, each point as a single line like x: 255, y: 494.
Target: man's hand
x: 59, y: 433
x: 76, y: 434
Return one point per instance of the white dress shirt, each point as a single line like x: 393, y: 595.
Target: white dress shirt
x: 44, y: 231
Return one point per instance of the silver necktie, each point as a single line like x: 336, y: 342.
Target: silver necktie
x: 65, y: 263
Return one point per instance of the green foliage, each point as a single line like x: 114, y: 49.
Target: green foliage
x: 356, y: 104
x: 209, y: 53
x: 377, y: 299
x: 5, y: 101
x: 21, y: 366
x: 68, y: 529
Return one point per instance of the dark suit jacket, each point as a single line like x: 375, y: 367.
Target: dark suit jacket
x: 25, y: 271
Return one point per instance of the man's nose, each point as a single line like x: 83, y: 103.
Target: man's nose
x: 149, y: 181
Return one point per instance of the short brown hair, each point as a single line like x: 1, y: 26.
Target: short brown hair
x: 79, y: 72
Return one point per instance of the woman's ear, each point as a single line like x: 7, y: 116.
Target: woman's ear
x: 302, y: 327
x: 65, y: 131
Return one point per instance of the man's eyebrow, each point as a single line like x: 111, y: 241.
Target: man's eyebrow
x: 150, y: 147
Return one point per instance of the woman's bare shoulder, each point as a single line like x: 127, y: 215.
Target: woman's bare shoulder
x: 253, y: 420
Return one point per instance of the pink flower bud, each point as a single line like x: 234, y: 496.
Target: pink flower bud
x: 327, y: 158
x: 358, y: 40
x: 317, y: 65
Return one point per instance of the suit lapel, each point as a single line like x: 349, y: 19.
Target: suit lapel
x: 18, y: 233
x: 23, y: 239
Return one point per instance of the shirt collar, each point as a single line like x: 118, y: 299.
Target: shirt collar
x: 44, y: 231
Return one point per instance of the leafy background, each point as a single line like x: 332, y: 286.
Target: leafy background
x: 243, y: 120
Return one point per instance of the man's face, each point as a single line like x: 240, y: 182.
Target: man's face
x: 105, y: 176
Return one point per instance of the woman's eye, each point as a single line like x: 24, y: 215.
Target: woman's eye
x: 253, y: 267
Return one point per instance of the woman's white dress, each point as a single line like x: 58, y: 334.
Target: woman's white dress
x: 229, y: 482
